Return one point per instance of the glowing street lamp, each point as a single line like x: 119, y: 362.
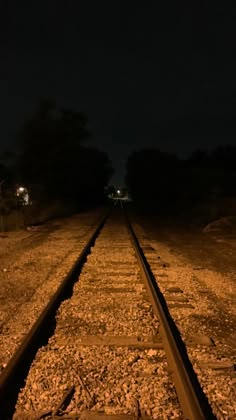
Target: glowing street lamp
x: 23, y: 195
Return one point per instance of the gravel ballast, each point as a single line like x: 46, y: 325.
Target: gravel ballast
x: 106, y: 305
x: 201, y: 301
x: 202, y: 304
x: 32, y: 266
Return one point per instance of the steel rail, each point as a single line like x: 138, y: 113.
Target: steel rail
x: 16, y: 370
x: 192, y: 399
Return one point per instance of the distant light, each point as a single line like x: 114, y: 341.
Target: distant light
x: 118, y: 191
x: 20, y: 191
x: 23, y: 195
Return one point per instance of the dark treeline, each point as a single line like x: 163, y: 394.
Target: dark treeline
x: 7, y: 192
x: 173, y: 183
x: 54, y: 165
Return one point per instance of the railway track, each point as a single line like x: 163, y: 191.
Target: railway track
x: 110, y: 349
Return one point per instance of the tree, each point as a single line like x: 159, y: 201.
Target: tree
x: 55, y: 164
x: 7, y: 196
x: 4, y: 173
x: 151, y: 174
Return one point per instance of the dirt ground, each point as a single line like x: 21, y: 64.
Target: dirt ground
x: 214, y: 250
x: 209, y: 258
x: 201, y: 261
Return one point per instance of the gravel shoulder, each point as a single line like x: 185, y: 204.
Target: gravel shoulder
x: 210, y: 257
x: 215, y: 250
x: 203, y: 267
x: 32, y: 265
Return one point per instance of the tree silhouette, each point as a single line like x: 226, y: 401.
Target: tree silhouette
x: 55, y: 164
x: 175, y: 183
x: 151, y: 174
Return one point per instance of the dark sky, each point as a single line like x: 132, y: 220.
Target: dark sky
x: 147, y: 74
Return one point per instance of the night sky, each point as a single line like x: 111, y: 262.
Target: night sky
x: 146, y: 74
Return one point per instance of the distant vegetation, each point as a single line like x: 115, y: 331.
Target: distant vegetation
x: 54, y: 163
x: 8, y: 199
x: 172, y: 184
